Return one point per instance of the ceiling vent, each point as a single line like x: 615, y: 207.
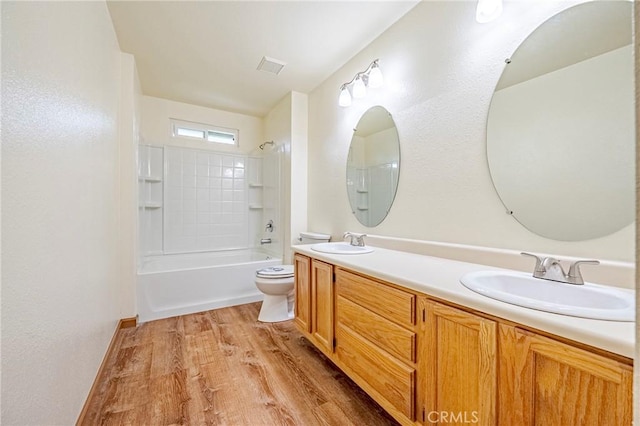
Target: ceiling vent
x: 271, y: 65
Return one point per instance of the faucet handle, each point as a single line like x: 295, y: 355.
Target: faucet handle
x: 575, y: 276
x: 352, y: 237
x: 539, y: 261
x: 355, y: 239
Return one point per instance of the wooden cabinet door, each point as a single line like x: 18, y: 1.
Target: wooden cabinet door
x: 546, y: 382
x: 458, y: 366
x: 302, y: 268
x: 322, y: 304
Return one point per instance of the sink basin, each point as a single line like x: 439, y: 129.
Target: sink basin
x: 587, y: 301
x: 340, y: 248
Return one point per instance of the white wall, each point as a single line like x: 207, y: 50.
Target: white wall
x: 156, y: 130
x: 61, y: 69
x: 636, y: 370
x: 287, y: 125
x: 440, y: 69
x: 277, y: 128
x: 299, y: 168
x: 129, y: 122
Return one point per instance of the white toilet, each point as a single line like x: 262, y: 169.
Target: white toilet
x: 276, y: 282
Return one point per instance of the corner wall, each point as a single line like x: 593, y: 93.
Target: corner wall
x: 287, y: 125
x: 636, y: 370
x: 129, y: 128
x: 61, y: 70
x: 440, y: 69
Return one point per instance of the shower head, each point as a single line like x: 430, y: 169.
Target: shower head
x: 266, y: 143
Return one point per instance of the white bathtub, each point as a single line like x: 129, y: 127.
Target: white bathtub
x: 181, y: 284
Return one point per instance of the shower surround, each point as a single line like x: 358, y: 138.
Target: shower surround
x: 202, y: 216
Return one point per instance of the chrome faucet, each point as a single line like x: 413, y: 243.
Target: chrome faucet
x: 356, y: 239
x: 549, y: 268
x: 269, y: 226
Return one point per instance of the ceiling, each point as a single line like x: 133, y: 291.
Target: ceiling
x: 207, y: 52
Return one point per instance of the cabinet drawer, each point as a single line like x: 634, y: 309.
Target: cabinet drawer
x: 387, y: 377
x: 383, y: 333
x: 389, y: 302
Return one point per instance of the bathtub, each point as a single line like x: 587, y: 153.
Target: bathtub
x: 181, y: 284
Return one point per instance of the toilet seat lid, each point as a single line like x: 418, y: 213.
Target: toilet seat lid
x: 279, y: 271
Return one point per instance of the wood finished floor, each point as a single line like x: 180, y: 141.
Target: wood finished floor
x: 222, y: 367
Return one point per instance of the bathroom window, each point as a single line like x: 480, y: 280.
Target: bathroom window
x: 204, y: 132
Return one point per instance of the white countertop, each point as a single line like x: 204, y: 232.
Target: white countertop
x: 440, y: 278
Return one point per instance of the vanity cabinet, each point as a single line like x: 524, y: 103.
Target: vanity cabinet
x: 314, y: 301
x: 428, y: 362
x: 544, y: 381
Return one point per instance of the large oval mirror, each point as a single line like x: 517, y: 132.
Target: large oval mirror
x: 560, y: 132
x: 373, y: 165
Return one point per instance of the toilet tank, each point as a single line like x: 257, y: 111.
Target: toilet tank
x: 313, y: 238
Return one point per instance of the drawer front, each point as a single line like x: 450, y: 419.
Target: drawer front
x: 383, y: 333
x: 387, y: 377
x: 396, y: 305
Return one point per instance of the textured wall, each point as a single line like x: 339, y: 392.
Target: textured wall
x: 440, y: 69
x: 636, y: 384
x: 60, y: 190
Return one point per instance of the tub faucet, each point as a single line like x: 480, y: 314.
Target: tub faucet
x: 356, y: 239
x: 265, y: 241
x: 269, y: 226
x: 549, y: 268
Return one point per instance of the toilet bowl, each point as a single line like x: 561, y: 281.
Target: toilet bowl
x: 276, y: 283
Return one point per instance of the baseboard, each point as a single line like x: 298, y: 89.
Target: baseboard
x: 128, y: 322
x: 123, y: 323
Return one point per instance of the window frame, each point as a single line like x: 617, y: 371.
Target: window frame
x: 206, y: 130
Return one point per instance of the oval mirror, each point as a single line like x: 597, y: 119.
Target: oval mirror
x: 373, y: 165
x: 560, y: 132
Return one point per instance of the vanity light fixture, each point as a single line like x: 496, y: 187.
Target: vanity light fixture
x: 488, y: 10
x: 371, y: 77
x: 359, y: 90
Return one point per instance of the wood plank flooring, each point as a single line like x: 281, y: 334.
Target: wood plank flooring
x: 222, y: 367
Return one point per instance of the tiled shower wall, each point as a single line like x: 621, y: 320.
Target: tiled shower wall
x: 206, y: 201
x: 373, y: 189
x: 150, y: 199
x: 382, y: 181
x: 358, y: 189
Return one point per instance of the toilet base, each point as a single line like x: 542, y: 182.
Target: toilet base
x: 276, y: 308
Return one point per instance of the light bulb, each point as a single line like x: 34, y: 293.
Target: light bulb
x: 488, y: 10
x: 359, y: 90
x: 345, y: 98
x: 375, y: 77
